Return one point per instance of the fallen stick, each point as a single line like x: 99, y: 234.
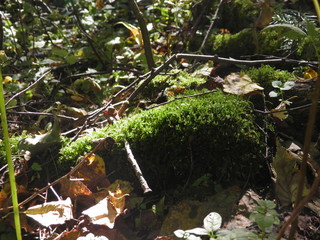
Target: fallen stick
x: 136, y: 168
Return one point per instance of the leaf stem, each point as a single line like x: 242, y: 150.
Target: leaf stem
x: 10, y: 162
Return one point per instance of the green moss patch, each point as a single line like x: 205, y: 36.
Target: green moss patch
x: 186, y: 139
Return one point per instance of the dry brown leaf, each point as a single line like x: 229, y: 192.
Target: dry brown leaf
x: 103, y: 213
x: 286, y: 169
x: 51, y: 213
x: 240, y: 84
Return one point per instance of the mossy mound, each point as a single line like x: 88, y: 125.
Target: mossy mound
x: 172, y: 81
x: 186, y: 139
x: 232, y: 45
x: 236, y: 15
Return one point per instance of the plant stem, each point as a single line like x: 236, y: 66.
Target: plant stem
x: 14, y: 195
x: 317, y: 8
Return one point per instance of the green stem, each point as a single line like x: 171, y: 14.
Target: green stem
x: 317, y: 8
x: 14, y: 195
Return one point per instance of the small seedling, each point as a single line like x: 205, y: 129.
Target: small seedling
x: 265, y: 216
x: 211, y: 223
x: 280, y: 86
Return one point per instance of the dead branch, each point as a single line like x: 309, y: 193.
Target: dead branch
x: 136, y: 169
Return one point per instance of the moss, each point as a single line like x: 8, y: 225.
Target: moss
x: 270, y: 43
x: 266, y: 74
x: 233, y: 45
x: 172, y: 81
x: 236, y: 15
x: 14, y: 146
x: 208, y: 134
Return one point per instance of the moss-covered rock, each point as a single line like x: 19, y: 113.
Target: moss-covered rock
x: 186, y: 139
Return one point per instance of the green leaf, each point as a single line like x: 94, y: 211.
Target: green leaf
x: 288, y: 30
x: 179, y: 233
x: 71, y: 59
x: 212, y: 222
x: 277, y: 84
x: 59, y: 52
x: 312, y: 31
x: 273, y: 94
x: 198, y: 231
x: 266, y: 204
x: 288, y: 85
x: 263, y: 221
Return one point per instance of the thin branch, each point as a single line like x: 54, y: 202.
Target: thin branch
x: 145, y: 34
x: 305, y: 150
x: 204, y: 42
x: 178, y: 98
x: 89, y: 39
x: 136, y: 169
x: 27, y: 88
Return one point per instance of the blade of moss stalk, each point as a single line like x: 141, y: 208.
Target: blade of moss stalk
x: 10, y: 163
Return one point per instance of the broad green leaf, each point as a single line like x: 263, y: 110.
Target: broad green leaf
x: 72, y: 59
x: 60, y: 52
x: 288, y: 85
x: 212, y: 222
x: 312, y: 31
x: 277, y: 84
x: 264, y: 221
x: 179, y: 233
x: 198, y: 231
x: 273, y: 94
x: 288, y: 30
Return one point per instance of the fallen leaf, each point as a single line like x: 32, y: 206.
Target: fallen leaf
x: 240, y: 84
x: 279, y: 112
x: 51, y: 213
x: 286, y: 169
x: 310, y: 74
x: 103, y: 213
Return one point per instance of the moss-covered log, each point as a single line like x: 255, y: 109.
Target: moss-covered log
x: 186, y: 139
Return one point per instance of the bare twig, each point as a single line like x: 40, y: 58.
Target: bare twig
x: 204, y: 42
x: 136, y: 168
x: 89, y: 39
x: 145, y: 34
x: 300, y: 205
x: 177, y: 98
x: 81, y: 161
x: 27, y: 88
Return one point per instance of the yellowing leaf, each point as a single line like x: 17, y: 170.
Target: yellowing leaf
x: 265, y: 15
x: 310, y: 74
x: 286, y: 168
x: 99, y: 4
x: 240, y: 84
x: 78, y: 98
x: 118, y: 200
x: 79, y: 53
x: 135, y: 32
x: 51, y: 213
x: 93, y: 169
x: 280, y: 115
x: 7, y: 79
